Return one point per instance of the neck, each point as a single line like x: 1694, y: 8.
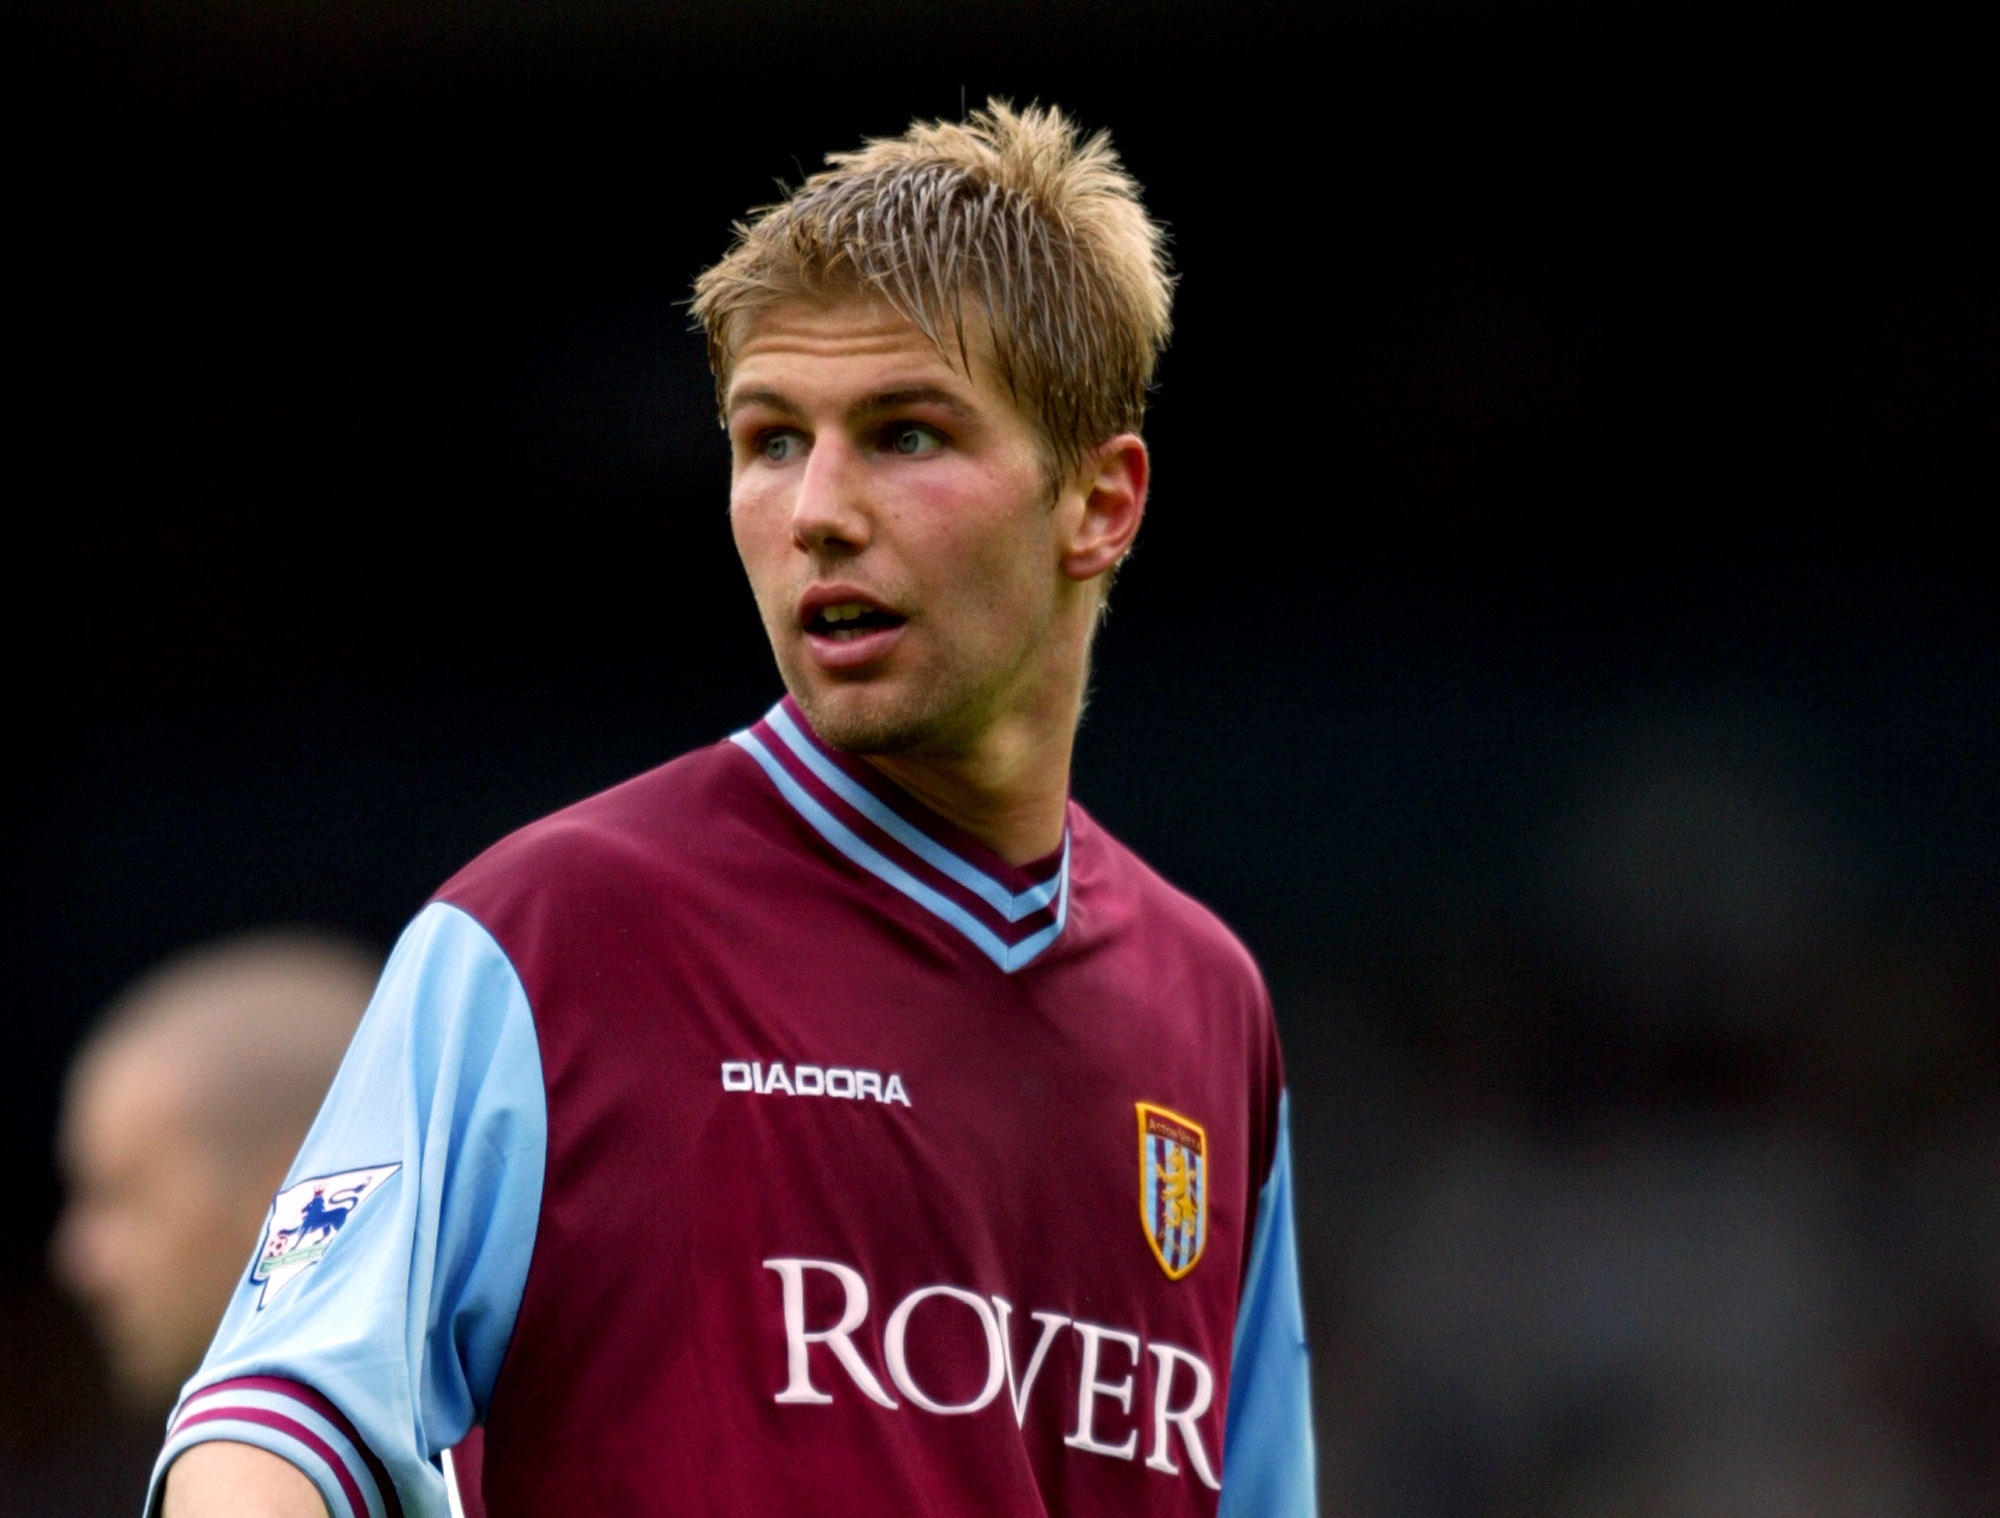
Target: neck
x: 1005, y: 781
x: 1013, y: 796
x: 1002, y: 774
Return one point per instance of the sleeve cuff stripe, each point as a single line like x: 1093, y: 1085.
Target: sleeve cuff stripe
x: 198, y: 1405
x: 286, y: 1429
x: 279, y: 1386
x: 257, y: 1437
x: 240, y: 1402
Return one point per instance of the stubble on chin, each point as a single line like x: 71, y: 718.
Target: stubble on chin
x: 913, y: 714
x: 852, y: 722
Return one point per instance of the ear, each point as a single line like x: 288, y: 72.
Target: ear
x: 1113, y: 485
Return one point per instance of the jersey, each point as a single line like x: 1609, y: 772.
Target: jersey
x: 747, y: 1140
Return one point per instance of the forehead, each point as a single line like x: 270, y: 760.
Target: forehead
x: 856, y: 337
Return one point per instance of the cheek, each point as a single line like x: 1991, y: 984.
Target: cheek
x: 124, y: 1249
x: 743, y: 520
x: 1011, y: 572
x: 760, y: 545
x: 201, y: 1240
x: 184, y: 1208
x: 991, y: 533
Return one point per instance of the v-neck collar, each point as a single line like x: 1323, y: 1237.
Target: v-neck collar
x: 1011, y: 913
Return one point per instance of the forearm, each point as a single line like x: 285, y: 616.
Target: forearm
x: 224, y: 1480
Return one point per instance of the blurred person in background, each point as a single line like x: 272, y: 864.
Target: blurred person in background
x: 180, y: 1113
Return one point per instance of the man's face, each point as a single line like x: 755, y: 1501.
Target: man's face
x: 895, y: 518
x: 157, y: 1227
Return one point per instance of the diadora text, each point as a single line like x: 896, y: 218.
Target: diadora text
x: 776, y: 1079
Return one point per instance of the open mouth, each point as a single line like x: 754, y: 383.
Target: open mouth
x: 848, y: 620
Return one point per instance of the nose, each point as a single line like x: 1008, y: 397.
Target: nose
x: 830, y: 511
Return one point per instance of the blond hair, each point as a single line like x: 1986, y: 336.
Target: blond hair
x: 1042, y: 229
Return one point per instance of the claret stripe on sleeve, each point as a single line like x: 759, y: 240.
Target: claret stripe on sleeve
x: 298, y: 1425
x: 1010, y: 917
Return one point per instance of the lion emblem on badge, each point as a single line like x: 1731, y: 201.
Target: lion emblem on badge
x: 1173, y: 1187
x: 305, y: 1220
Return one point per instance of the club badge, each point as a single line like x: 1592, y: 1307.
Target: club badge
x: 305, y: 1220
x: 1173, y: 1187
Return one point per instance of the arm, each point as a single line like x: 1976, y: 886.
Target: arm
x: 219, y: 1480
x: 1267, y: 1459
x: 368, y: 1329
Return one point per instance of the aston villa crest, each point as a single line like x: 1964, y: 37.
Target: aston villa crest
x: 1173, y: 1187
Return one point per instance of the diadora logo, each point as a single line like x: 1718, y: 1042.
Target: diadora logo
x: 961, y: 1328
x: 305, y: 1220
x: 778, y: 1079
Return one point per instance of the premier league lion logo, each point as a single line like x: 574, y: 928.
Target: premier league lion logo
x: 305, y: 1220
x: 1173, y: 1187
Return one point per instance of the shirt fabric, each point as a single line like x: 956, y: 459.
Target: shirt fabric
x: 746, y: 1140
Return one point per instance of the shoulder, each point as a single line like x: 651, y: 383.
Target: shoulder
x: 644, y: 826
x: 580, y: 886
x: 1206, y: 1009
x: 1125, y: 895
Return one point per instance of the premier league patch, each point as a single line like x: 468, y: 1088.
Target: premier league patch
x: 1173, y: 1187
x: 305, y: 1220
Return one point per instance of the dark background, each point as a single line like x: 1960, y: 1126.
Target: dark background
x: 1560, y: 642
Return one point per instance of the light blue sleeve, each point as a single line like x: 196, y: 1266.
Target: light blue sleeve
x: 1267, y: 1452
x: 368, y: 1328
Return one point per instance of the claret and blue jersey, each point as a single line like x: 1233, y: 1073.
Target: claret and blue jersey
x: 745, y: 1141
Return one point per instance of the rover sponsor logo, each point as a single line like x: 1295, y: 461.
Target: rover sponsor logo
x: 1173, y: 1187
x: 1104, y: 1405
x: 779, y: 1079
x: 305, y: 1220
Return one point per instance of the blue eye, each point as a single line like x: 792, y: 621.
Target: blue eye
x: 780, y: 447
x: 912, y: 440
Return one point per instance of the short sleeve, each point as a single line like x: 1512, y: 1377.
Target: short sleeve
x: 368, y: 1328
x: 1267, y: 1458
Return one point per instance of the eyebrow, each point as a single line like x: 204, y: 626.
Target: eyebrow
x: 867, y: 406
x: 912, y: 395
x: 770, y: 399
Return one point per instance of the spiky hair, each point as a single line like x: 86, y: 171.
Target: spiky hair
x: 1041, y: 229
